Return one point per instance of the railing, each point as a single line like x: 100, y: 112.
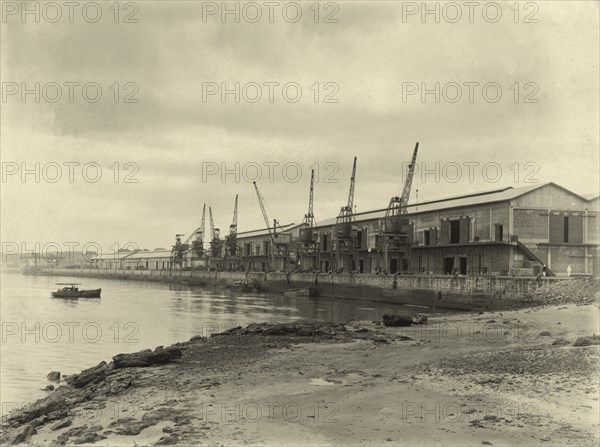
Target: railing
x: 531, y: 255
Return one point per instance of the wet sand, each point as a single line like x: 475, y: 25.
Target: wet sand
x: 494, y: 378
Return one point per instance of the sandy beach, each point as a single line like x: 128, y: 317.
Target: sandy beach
x: 497, y: 378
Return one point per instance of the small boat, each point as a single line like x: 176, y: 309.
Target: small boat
x: 245, y: 286
x: 307, y: 291
x: 72, y: 291
x: 419, y: 319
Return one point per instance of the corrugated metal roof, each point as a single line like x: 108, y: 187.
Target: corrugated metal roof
x: 498, y: 195
x: 150, y: 255
x: 133, y: 255
x: 112, y: 256
x: 479, y: 198
x: 265, y: 231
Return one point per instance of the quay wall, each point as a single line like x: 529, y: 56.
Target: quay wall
x: 460, y: 292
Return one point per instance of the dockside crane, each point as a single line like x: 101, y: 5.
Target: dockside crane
x: 396, y: 238
x: 309, y: 217
x: 397, y: 204
x: 231, y: 242
x: 346, y: 212
x: 178, y: 250
x: 269, y: 229
x: 215, y: 237
x: 345, y: 246
x: 262, y: 208
x: 212, y: 223
x: 308, y: 248
x: 198, y: 236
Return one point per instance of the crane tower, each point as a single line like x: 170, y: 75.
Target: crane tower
x: 345, y: 243
x: 308, y: 248
x: 395, y: 239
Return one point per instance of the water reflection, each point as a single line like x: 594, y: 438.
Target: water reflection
x: 41, y: 334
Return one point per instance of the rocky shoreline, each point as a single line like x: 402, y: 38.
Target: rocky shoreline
x: 87, y: 389
x: 420, y: 385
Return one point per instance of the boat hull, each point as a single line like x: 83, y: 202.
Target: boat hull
x: 78, y: 294
x: 308, y: 292
x: 245, y: 286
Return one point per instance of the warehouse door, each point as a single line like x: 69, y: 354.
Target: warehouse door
x: 455, y: 231
x: 463, y: 265
x: 448, y: 266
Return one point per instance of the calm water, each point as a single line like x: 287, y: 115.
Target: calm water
x: 41, y: 334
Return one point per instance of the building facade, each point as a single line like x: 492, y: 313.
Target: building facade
x: 263, y: 250
x: 500, y: 232
x: 149, y: 260
x: 507, y: 231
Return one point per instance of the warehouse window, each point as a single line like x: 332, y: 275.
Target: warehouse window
x: 557, y: 233
x: 499, y: 236
x: 448, y: 266
x: 566, y: 229
x: 427, y: 237
x: 575, y: 229
x: 454, y: 231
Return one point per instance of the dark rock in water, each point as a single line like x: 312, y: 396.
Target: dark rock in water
x: 61, y: 424
x: 396, y: 320
x: 560, y: 342
x: 167, y: 430
x: 129, y: 426
x: 61, y: 413
x: 49, y: 405
x: 38, y: 422
x: 167, y: 440
x: 53, y: 376
x: 94, y: 374
x: 419, y: 319
x: 23, y: 434
x: 160, y: 414
x: 197, y: 337
x: 228, y: 331
x: 132, y: 427
x: 298, y: 328
x: 587, y: 341
x: 88, y: 438
x: 545, y: 334
x: 490, y: 380
x: 49, y: 388
x: 147, y: 358
x: 74, y: 432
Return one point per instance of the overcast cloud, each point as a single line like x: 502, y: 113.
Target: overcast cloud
x: 368, y: 55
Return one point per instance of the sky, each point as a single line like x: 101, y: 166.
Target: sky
x: 137, y: 163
